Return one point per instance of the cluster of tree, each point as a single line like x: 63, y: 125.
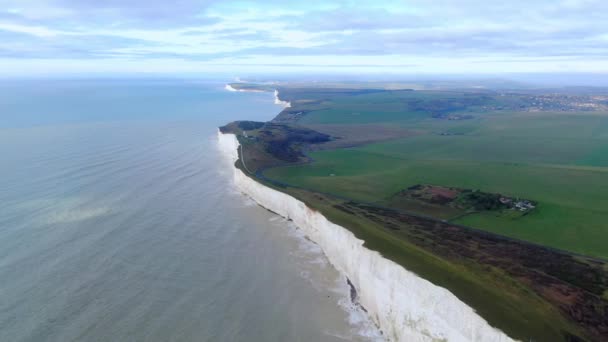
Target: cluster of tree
x: 286, y: 142
x: 481, y: 200
x: 236, y: 126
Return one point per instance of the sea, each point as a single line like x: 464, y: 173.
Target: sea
x: 119, y: 221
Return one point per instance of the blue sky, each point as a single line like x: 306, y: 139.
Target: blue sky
x: 181, y: 36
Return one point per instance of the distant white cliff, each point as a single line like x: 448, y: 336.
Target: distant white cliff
x: 278, y: 101
x: 404, y: 306
x: 231, y: 88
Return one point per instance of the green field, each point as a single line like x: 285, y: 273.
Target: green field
x: 557, y: 159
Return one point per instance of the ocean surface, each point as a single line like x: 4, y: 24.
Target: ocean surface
x: 119, y: 222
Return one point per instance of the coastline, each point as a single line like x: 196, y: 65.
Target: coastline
x: 280, y: 102
x: 404, y: 306
x: 231, y: 88
x: 277, y: 100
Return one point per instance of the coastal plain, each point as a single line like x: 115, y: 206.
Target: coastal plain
x: 496, y: 195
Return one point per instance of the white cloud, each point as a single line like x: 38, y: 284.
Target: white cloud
x: 38, y: 31
x: 465, y: 34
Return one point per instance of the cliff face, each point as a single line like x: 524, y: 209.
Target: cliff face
x: 280, y: 102
x: 404, y: 306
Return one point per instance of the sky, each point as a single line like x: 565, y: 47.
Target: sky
x: 190, y: 36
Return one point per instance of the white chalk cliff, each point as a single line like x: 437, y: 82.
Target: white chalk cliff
x: 280, y: 102
x: 277, y: 101
x: 404, y: 306
x: 231, y: 88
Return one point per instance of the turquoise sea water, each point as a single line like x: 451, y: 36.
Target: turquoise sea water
x: 119, y: 222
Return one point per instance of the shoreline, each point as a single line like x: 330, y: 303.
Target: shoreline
x: 404, y: 306
x: 230, y: 88
x: 277, y: 100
